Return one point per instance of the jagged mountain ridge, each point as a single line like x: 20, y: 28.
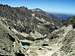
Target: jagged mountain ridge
x: 24, y: 15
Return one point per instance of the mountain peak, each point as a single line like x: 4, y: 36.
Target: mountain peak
x: 37, y: 9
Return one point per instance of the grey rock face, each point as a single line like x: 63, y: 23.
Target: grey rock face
x: 35, y: 35
x: 60, y: 42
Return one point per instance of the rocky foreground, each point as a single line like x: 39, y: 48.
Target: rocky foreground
x: 60, y: 42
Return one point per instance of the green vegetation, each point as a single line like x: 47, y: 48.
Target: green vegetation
x: 71, y: 20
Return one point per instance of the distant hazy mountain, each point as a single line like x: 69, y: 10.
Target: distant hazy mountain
x: 62, y: 16
x: 58, y: 16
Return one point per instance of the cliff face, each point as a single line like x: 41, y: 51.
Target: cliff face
x: 26, y: 33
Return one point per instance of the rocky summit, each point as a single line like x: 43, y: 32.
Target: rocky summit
x: 26, y: 32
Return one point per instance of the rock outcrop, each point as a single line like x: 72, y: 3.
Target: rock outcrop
x: 33, y: 35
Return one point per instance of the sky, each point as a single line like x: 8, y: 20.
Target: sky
x: 53, y: 6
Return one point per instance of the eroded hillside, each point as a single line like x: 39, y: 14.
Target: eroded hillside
x: 24, y: 32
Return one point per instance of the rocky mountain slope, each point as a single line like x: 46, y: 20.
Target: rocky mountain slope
x: 27, y: 33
